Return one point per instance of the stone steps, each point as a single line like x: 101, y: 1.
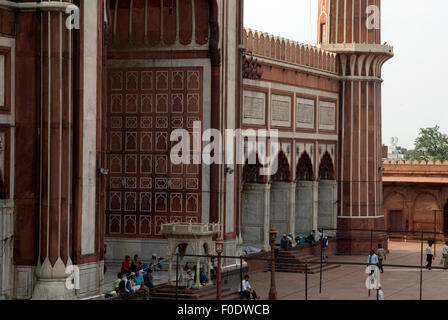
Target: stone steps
x: 300, y: 268
x: 205, y: 293
x: 294, y: 261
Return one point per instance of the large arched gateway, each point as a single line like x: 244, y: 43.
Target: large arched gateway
x: 91, y: 92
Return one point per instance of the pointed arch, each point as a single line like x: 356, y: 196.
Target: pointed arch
x: 283, y: 173
x: 326, y: 168
x: 251, y: 172
x: 304, y: 170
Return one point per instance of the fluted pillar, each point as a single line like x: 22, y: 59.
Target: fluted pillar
x: 360, y: 150
x: 354, y: 33
x: 55, y: 178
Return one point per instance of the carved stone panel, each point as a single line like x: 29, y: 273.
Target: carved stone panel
x: 281, y: 111
x: 327, y: 116
x: 144, y: 189
x: 305, y: 113
x: 254, y: 111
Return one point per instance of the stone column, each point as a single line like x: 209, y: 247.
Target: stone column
x: 316, y: 206
x: 281, y: 198
x: 292, y: 207
x: 327, y: 211
x: 267, y: 215
x: 208, y: 270
x: 255, y: 220
x: 56, y: 150
x: 181, y: 270
x: 304, y: 212
x: 198, y: 273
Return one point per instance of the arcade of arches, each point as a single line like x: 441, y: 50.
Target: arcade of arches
x: 293, y: 201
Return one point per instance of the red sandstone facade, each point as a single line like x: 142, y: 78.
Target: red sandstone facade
x: 416, y: 198
x: 87, y: 114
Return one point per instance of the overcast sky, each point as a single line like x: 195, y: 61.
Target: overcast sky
x: 414, y: 82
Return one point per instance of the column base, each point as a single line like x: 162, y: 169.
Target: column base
x: 53, y: 290
x: 353, y: 242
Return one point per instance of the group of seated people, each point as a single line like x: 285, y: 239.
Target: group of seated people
x: 135, y: 276
x: 126, y: 284
x: 289, y: 241
x: 135, y: 265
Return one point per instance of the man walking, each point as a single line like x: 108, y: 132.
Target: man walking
x: 445, y: 256
x: 429, y: 255
x: 381, y: 256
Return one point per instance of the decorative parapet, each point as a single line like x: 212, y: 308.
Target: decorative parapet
x: 276, y: 48
x: 190, y: 229
x: 415, y: 163
x: 415, y: 171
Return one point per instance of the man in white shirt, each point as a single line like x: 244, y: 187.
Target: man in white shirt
x: 372, y: 261
x: 320, y: 235
x: 247, y: 290
x: 290, y: 240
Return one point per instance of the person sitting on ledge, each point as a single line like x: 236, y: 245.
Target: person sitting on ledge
x: 135, y: 286
x: 311, y: 238
x: 147, y: 279
x: 121, y: 290
x: 246, y: 289
x: 156, y: 264
x: 283, y: 242
x: 126, y: 265
x: 114, y: 292
x: 290, y: 240
x: 139, y: 281
x: 136, y: 264
x: 127, y: 284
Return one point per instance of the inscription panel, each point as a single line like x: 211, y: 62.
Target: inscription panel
x: 327, y: 115
x: 305, y: 113
x: 281, y: 111
x: 254, y: 110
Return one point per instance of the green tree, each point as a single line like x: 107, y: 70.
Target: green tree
x: 431, y: 145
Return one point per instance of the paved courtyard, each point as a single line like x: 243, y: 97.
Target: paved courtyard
x: 348, y: 281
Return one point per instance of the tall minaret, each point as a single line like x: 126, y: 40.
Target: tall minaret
x: 352, y: 28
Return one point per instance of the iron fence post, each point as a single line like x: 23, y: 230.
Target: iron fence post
x: 321, y: 254
x: 306, y: 281
x: 177, y: 273
x: 241, y: 277
x: 421, y: 267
